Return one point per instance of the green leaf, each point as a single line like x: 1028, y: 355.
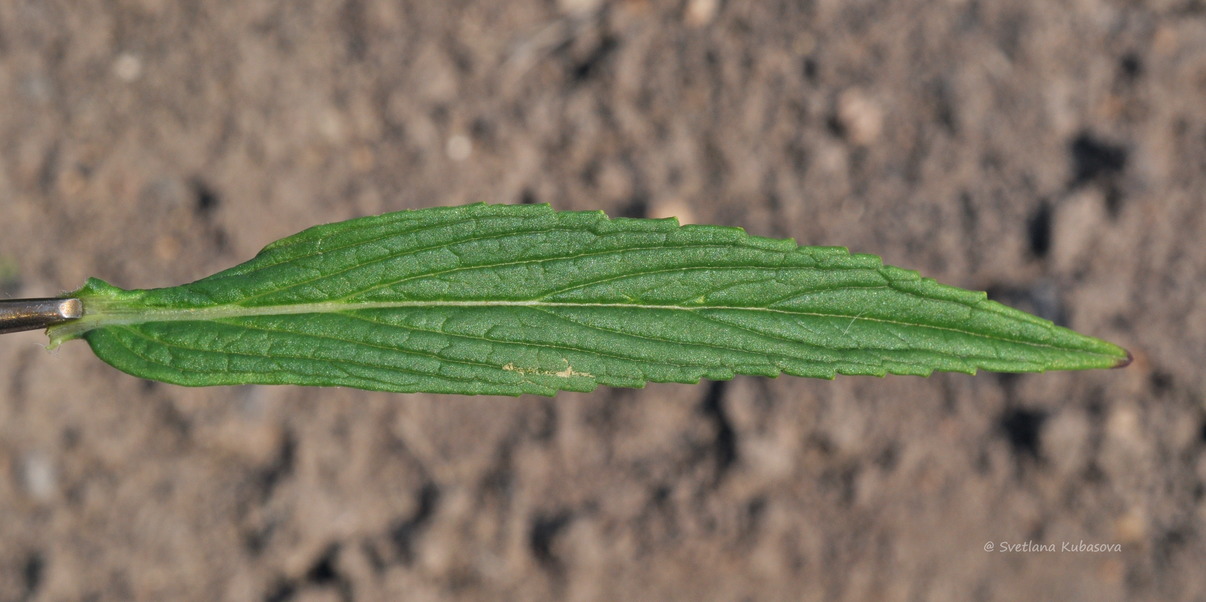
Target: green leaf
x: 501, y: 299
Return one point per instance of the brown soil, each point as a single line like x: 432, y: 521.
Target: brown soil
x: 1052, y: 153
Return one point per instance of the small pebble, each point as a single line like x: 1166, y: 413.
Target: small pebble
x: 701, y: 12
x: 38, y: 476
x: 861, y: 118
x: 459, y: 147
x: 127, y: 67
x: 578, y: 6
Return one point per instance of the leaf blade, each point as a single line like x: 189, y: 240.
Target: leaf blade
x: 523, y: 299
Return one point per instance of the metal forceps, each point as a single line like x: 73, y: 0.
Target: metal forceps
x: 35, y: 314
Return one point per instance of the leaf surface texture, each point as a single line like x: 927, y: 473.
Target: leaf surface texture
x: 513, y: 299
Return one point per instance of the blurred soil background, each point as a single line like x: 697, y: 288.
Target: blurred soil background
x: 1052, y: 153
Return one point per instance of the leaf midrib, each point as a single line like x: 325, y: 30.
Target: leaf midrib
x: 117, y: 316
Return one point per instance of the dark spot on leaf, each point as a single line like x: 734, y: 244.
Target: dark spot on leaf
x: 1022, y: 428
x: 527, y: 197
x: 1038, y: 230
